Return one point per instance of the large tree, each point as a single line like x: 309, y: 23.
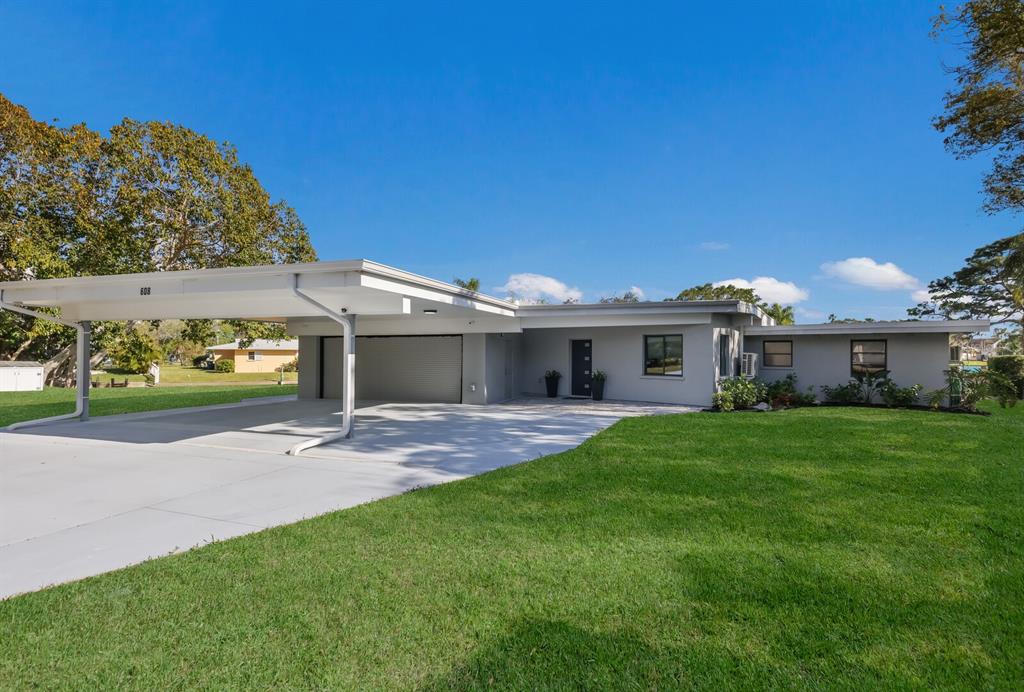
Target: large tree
x: 985, y: 288
x: 984, y: 114
x: 724, y: 292
x: 149, y: 197
x: 782, y: 314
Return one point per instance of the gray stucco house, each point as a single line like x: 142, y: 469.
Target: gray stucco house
x: 417, y: 339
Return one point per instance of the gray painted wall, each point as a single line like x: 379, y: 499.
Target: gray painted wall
x: 309, y: 364
x: 619, y: 351
x: 825, y: 359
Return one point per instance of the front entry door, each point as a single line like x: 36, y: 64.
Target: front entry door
x: 582, y: 367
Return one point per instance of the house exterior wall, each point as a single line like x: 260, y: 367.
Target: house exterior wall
x: 619, y: 351
x: 825, y: 359
x: 271, y: 361
x: 309, y: 370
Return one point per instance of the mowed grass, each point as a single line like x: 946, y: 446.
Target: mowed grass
x: 52, y: 401
x: 184, y: 374
x: 848, y: 548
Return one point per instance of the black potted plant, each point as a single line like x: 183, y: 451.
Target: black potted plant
x: 551, y: 378
x: 597, y: 384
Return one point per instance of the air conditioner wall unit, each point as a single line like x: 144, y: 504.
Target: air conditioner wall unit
x: 748, y: 365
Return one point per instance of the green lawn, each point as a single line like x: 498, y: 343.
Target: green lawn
x: 851, y: 548
x: 18, y: 406
x: 180, y: 374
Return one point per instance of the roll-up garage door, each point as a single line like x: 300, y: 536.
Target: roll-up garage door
x: 400, y: 368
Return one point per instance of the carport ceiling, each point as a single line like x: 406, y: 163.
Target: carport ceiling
x: 358, y: 287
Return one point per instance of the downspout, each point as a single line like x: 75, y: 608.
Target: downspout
x: 348, y: 381
x: 82, y: 370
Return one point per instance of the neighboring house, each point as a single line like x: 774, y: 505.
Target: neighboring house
x: 262, y: 355
x: 421, y: 340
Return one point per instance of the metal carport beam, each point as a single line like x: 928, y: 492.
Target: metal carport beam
x: 82, y: 375
x: 348, y: 386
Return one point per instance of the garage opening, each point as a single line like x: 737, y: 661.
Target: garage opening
x: 420, y: 369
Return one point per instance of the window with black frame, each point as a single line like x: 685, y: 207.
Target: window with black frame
x: 777, y: 354
x: 868, y: 357
x: 724, y: 356
x: 663, y: 355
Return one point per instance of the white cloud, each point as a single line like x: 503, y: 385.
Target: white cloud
x: 921, y: 295
x: 864, y: 271
x: 638, y: 292
x: 533, y: 287
x: 770, y: 289
x: 713, y: 246
x: 811, y: 314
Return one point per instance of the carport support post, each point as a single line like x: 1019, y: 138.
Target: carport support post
x: 348, y: 385
x: 83, y: 374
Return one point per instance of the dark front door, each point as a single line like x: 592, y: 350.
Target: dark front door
x: 582, y: 367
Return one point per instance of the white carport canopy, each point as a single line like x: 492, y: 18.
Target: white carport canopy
x: 301, y: 294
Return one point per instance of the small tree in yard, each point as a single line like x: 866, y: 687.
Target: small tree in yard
x: 135, y: 350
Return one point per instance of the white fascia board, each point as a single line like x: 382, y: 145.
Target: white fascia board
x: 405, y: 326
x: 914, y: 327
x: 613, y: 320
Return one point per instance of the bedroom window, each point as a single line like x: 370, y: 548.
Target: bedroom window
x: 777, y: 354
x: 663, y: 355
x: 867, y: 357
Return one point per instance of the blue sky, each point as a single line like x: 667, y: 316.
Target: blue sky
x: 597, y: 147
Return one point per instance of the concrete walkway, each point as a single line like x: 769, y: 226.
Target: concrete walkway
x: 78, y: 499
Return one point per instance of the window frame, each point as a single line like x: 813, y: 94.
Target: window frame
x: 663, y: 337
x: 765, y: 354
x: 885, y: 353
x: 254, y: 356
x: 724, y: 354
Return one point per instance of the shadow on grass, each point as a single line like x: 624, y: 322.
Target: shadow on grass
x: 541, y: 654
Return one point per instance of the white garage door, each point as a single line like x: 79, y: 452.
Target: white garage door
x: 424, y: 369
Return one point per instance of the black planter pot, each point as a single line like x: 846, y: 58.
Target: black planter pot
x: 552, y: 385
x: 597, y: 389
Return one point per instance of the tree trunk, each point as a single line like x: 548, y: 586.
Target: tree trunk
x: 21, y: 349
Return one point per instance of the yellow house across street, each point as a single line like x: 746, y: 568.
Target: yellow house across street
x: 262, y: 355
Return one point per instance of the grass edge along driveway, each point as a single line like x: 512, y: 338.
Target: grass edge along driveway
x: 808, y: 548
x: 52, y: 401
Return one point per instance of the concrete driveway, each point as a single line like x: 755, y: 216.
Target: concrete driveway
x: 78, y: 499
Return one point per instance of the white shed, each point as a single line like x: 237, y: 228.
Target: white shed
x: 20, y: 376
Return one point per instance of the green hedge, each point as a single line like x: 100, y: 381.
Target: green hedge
x: 225, y: 365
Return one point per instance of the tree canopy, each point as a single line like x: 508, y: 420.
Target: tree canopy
x: 984, y: 288
x: 627, y: 297
x: 470, y: 284
x: 149, y: 196
x: 724, y: 292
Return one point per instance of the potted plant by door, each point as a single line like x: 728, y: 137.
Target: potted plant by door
x: 597, y: 384
x: 551, y: 378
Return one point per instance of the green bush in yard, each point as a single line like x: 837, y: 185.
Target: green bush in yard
x: 783, y: 393
x: 744, y: 393
x: 722, y: 401
x: 225, y: 365
x: 900, y: 397
x: 1011, y: 367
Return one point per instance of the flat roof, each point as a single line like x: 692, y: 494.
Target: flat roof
x: 892, y: 327
x: 253, y: 292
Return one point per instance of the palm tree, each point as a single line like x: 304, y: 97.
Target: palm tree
x: 782, y: 314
